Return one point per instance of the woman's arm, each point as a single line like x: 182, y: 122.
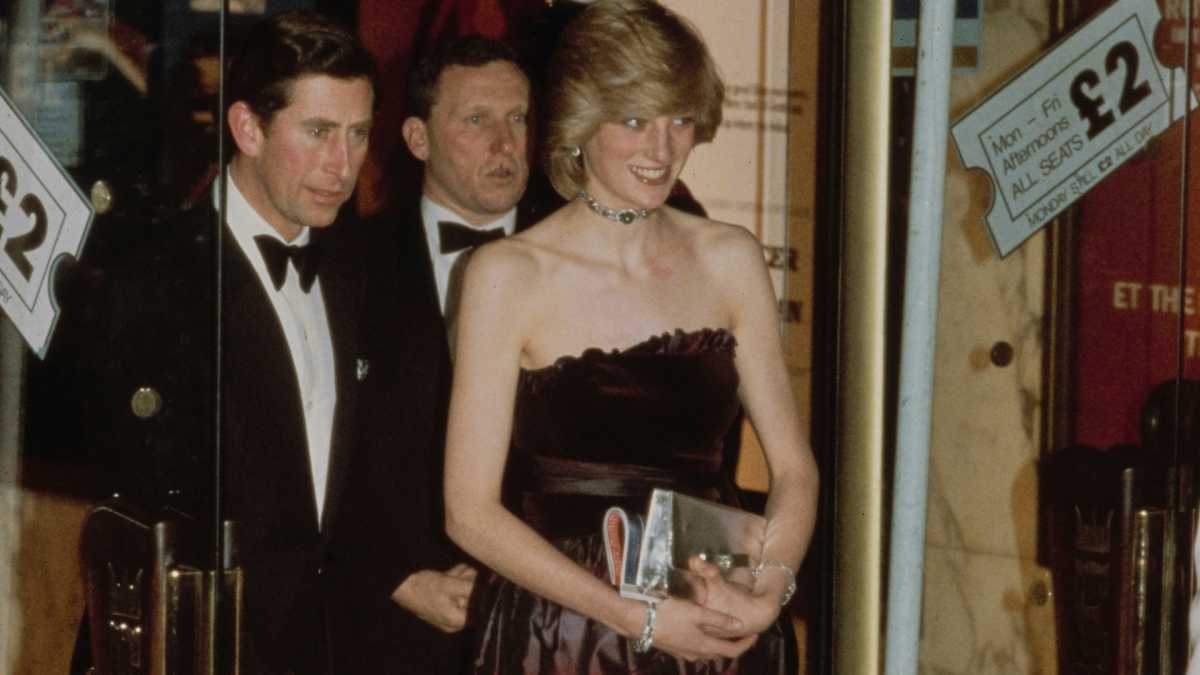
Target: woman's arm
x: 498, y: 288
x: 766, y: 394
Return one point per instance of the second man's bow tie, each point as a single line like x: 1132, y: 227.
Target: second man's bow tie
x: 454, y: 237
x: 276, y: 254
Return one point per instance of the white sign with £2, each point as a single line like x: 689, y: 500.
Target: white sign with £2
x: 1069, y: 119
x: 43, y: 216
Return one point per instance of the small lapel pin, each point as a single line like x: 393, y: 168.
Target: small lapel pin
x: 361, y: 368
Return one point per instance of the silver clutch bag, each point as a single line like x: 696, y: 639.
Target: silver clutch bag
x: 647, y: 558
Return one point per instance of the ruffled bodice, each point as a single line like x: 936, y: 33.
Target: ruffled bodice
x: 598, y: 430
x: 603, y: 428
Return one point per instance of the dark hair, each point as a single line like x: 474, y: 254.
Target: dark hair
x: 470, y: 50
x: 287, y: 46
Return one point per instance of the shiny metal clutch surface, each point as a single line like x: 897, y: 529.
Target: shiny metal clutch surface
x: 679, y: 527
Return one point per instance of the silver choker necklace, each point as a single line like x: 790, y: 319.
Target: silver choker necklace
x: 623, y: 216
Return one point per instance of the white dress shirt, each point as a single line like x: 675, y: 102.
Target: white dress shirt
x: 431, y: 214
x: 306, y: 327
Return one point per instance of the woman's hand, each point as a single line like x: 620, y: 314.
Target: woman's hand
x: 756, y: 611
x: 688, y: 631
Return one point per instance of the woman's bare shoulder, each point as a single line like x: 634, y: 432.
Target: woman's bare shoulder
x: 505, y: 284
x: 508, y: 261
x: 539, y: 247
x: 719, y: 243
x: 502, y: 272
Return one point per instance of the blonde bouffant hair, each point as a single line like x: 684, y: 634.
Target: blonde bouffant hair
x: 620, y: 59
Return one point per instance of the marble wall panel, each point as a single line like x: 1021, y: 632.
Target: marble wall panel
x: 986, y: 606
x: 983, y: 491
x: 984, y: 615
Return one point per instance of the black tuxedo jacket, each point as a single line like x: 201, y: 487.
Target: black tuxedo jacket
x: 302, y: 606
x: 400, y: 451
x: 295, y: 583
x: 401, y: 435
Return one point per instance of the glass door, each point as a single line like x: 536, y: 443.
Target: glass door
x: 109, y: 132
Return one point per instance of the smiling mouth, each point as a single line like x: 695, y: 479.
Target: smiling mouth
x: 649, y: 176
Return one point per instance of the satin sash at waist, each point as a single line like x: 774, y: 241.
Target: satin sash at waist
x: 562, y: 497
x: 557, y: 476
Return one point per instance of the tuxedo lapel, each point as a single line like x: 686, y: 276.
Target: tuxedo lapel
x: 341, y: 282
x: 528, y: 213
x: 454, y: 297
x: 407, y: 281
x: 418, y: 250
x: 266, y: 430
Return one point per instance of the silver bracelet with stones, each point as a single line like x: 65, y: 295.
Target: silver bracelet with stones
x: 646, y: 639
x: 791, y: 589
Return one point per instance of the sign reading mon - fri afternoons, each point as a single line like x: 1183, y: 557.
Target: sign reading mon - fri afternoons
x: 43, y: 216
x: 1065, y: 122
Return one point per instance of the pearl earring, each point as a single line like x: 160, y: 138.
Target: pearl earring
x: 576, y: 151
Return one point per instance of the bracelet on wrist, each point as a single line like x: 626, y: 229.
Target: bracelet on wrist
x: 646, y: 639
x: 791, y: 588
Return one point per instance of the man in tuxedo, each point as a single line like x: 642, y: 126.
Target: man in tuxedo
x: 468, y: 123
x: 273, y: 427
x: 469, y: 104
x: 302, y: 95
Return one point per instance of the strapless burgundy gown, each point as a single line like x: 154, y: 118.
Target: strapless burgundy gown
x: 594, y: 431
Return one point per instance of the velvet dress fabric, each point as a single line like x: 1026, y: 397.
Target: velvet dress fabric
x: 594, y: 431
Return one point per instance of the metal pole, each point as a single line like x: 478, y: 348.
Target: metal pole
x: 918, y: 336
x: 861, y: 378
x: 19, y: 81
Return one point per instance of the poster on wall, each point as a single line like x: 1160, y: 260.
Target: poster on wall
x: 1135, y: 295
x: 1070, y: 119
x: 742, y: 177
x: 759, y: 171
x: 1128, y: 338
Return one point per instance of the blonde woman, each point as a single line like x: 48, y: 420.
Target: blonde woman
x: 604, y: 352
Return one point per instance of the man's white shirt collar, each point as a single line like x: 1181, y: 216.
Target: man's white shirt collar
x: 431, y: 214
x: 246, y: 223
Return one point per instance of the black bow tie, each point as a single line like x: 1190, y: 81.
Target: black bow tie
x: 454, y: 237
x: 276, y: 254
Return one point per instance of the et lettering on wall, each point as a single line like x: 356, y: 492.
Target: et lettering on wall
x: 1133, y: 314
x: 1162, y: 299
x: 1158, y: 298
